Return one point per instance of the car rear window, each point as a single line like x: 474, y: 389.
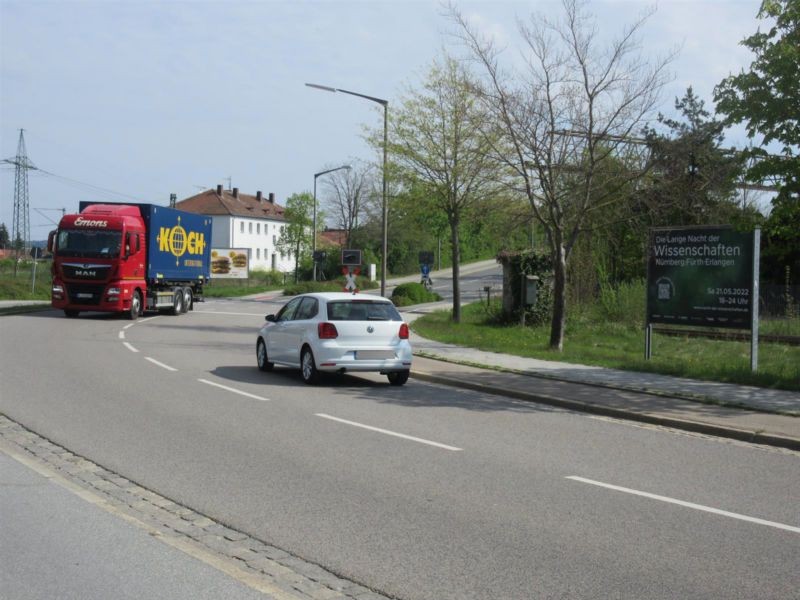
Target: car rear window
x: 362, y: 310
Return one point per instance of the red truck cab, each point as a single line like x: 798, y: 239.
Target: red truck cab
x: 99, y: 261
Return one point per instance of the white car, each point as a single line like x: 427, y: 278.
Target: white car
x: 336, y: 333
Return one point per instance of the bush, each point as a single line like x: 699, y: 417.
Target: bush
x: 306, y: 287
x: 407, y: 294
x: 623, y: 303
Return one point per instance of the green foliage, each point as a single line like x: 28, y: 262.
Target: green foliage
x: 19, y: 287
x: 5, y: 239
x: 622, y: 303
x: 766, y: 97
x: 522, y: 265
x: 306, y: 287
x: 408, y: 294
x: 296, y: 236
x: 596, y: 341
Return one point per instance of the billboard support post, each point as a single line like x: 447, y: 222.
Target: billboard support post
x: 755, y: 300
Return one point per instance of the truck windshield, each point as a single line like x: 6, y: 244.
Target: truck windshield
x: 89, y: 243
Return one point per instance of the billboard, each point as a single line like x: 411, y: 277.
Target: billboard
x: 701, y: 276
x: 230, y: 263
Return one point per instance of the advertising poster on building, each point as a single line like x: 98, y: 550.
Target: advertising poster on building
x: 230, y: 263
x: 700, y: 276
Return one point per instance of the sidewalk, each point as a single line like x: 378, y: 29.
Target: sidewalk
x: 745, y: 413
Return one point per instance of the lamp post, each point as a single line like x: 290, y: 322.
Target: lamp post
x: 314, y: 238
x: 385, y: 104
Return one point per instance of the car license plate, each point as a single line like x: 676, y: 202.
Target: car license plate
x: 374, y: 354
x: 84, y: 295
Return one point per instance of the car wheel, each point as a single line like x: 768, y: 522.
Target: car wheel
x: 308, y: 370
x: 261, y: 355
x: 398, y: 377
x: 136, y: 306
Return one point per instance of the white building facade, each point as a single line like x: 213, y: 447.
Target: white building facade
x: 243, y: 221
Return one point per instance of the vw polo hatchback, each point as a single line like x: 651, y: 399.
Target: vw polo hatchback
x: 336, y: 333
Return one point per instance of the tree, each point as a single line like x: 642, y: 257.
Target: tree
x: 5, y: 239
x: 693, y: 178
x: 438, y: 143
x: 571, y: 107
x: 766, y: 97
x: 296, y: 234
x: 349, y: 190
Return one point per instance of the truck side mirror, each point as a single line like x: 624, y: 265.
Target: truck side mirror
x: 51, y: 237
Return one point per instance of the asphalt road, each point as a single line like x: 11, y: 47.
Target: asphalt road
x: 422, y: 492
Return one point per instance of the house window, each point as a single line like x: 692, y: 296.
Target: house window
x: 249, y: 228
x: 241, y: 227
x: 273, y: 239
x: 258, y: 253
x: 258, y: 228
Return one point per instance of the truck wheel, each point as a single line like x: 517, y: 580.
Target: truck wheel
x: 188, y: 299
x: 308, y: 369
x: 136, y: 306
x: 177, y: 302
x: 71, y: 312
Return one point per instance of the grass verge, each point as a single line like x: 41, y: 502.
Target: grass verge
x: 620, y: 346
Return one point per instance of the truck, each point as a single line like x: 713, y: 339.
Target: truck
x: 129, y: 258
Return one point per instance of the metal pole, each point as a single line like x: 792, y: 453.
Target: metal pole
x: 754, y: 300
x: 314, y: 235
x: 385, y: 204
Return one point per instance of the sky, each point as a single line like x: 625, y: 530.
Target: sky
x: 135, y: 100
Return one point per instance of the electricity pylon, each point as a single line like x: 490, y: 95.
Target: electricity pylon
x: 21, y: 226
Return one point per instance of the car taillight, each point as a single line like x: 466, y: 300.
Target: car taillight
x: 403, y: 331
x: 327, y: 331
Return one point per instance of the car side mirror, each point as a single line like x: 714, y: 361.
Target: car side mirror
x: 270, y: 318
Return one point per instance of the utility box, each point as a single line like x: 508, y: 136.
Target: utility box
x: 531, y: 289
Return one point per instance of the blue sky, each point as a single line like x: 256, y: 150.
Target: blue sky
x: 148, y: 98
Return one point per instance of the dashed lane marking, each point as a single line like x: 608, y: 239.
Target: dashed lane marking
x: 233, y: 390
x: 708, y: 509
x: 392, y: 433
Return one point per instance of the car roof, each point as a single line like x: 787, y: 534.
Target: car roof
x: 346, y: 296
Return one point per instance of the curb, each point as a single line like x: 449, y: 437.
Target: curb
x: 754, y: 437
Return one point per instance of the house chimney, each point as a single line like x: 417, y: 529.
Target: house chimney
x: 235, y: 192
x: 259, y: 197
x: 271, y: 198
x: 219, y: 190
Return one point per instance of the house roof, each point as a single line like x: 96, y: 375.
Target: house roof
x: 334, y: 237
x: 226, y: 202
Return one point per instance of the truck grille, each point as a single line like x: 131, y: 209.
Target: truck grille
x: 85, y: 294
x: 86, y: 271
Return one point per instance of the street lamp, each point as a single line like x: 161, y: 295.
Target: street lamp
x: 385, y: 104
x: 314, y: 238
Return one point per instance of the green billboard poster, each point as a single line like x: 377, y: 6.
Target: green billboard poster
x: 700, y: 276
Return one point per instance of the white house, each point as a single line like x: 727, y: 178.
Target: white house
x: 244, y: 221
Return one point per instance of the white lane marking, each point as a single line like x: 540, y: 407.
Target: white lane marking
x: 146, y: 320
x: 122, y: 335
x: 129, y: 326
x: 129, y: 347
x: 235, y: 391
x: 160, y: 364
x: 387, y: 432
x: 715, y: 511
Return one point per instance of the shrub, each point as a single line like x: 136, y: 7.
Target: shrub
x: 407, y: 294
